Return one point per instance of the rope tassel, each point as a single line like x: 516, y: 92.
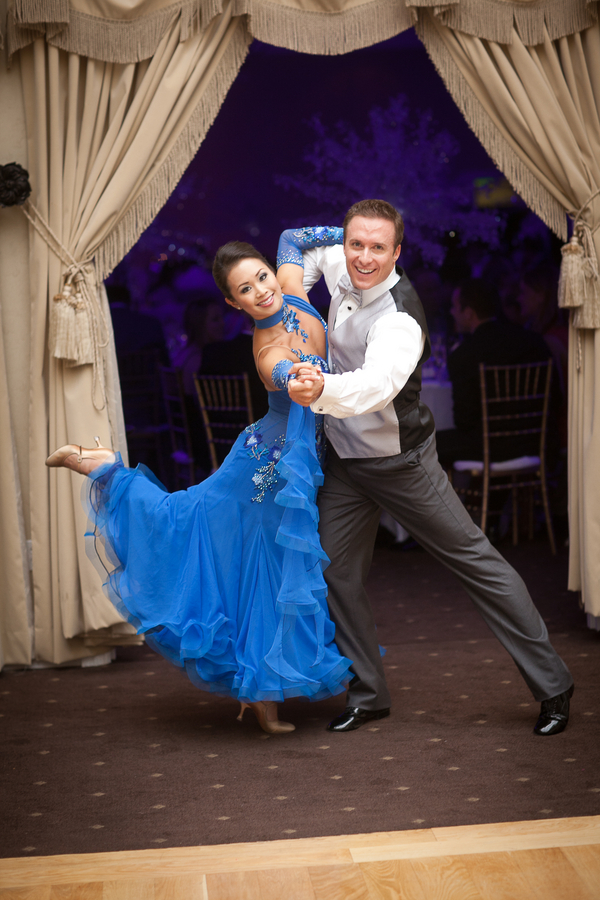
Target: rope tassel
x: 579, y: 284
x: 70, y: 337
x: 78, y: 326
x: 575, y: 269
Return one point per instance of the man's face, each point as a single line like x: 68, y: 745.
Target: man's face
x: 370, y: 251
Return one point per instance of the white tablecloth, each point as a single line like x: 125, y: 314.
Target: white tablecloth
x: 437, y: 395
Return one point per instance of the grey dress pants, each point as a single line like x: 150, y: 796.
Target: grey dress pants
x: 414, y: 489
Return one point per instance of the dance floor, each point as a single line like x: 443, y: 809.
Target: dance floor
x: 553, y: 859
x: 131, y: 758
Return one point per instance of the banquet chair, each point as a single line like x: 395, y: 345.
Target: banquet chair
x: 226, y: 409
x: 182, y: 455
x: 514, y: 403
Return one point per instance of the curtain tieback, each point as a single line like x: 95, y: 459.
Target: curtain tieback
x: 78, y: 327
x: 579, y: 282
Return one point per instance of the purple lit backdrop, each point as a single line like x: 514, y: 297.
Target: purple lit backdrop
x: 261, y: 137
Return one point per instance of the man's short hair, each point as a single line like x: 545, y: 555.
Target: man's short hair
x: 480, y: 296
x: 377, y: 209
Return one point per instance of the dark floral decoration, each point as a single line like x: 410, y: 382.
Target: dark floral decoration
x: 14, y: 185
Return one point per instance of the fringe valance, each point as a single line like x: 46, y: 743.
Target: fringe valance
x: 535, y: 194
x: 327, y: 27
x: 494, y: 20
x: 156, y: 193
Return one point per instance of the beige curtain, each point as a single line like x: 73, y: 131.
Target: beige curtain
x: 536, y: 109
x: 107, y: 143
x: 15, y: 592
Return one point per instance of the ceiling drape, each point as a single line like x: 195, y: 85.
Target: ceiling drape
x: 118, y: 97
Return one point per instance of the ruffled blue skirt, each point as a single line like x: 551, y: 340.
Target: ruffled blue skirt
x: 226, y: 579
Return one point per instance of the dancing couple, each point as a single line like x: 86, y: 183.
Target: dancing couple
x: 253, y: 580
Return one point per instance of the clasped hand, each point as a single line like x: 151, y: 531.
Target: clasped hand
x: 308, y: 384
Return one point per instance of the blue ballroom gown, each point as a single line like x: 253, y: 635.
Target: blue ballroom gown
x: 225, y: 579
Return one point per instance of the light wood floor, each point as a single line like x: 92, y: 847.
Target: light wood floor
x: 551, y: 859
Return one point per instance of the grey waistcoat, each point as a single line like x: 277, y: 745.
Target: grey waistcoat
x: 405, y: 422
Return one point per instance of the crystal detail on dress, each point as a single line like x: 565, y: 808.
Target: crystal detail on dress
x: 265, y: 476
x: 293, y: 241
x: 312, y: 358
x: 291, y: 322
x: 280, y: 374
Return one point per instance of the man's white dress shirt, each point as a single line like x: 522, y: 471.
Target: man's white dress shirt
x: 395, y: 342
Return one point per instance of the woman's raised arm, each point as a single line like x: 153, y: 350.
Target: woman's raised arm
x: 293, y: 241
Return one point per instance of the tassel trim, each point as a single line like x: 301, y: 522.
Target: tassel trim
x: 295, y: 28
x: 533, y: 192
x: 154, y: 196
x: 494, y: 20
x: 133, y: 40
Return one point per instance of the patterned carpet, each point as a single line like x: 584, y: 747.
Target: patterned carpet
x: 131, y: 756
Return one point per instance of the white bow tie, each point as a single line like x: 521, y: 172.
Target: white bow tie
x: 348, y: 290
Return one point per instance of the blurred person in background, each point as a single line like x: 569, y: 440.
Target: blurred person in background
x: 134, y: 330
x: 538, y: 302
x: 203, y: 323
x: 489, y: 340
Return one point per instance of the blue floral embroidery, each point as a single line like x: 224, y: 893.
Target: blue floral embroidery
x: 265, y: 476
x: 279, y: 374
x: 291, y: 322
x: 311, y: 358
x: 253, y: 442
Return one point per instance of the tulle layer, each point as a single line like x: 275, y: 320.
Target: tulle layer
x: 226, y: 579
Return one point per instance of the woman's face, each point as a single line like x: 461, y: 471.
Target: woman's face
x: 254, y: 288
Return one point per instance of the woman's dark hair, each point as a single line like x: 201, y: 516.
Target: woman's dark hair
x: 228, y: 256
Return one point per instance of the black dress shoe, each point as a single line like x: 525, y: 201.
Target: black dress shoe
x: 353, y: 717
x: 554, y: 714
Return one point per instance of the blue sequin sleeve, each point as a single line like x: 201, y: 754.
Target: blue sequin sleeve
x: 293, y: 241
x: 280, y: 374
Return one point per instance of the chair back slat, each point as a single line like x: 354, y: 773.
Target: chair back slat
x: 226, y: 409
x: 182, y: 455
x: 515, y: 401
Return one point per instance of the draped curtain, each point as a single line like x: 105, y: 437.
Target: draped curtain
x: 536, y: 110
x: 107, y: 143
x: 118, y: 95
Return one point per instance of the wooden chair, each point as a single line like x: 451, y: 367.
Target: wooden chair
x: 514, y: 402
x: 226, y: 409
x: 182, y: 455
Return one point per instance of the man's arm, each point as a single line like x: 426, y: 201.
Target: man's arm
x: 395, y: 345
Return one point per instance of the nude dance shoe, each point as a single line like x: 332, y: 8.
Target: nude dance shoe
x: 79, y: 459
x: 266, y: 713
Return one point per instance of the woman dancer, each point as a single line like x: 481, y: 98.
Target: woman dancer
x: 225, y: 579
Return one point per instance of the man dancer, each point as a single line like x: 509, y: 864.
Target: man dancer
x: 382, y: 455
